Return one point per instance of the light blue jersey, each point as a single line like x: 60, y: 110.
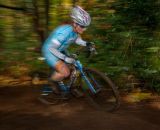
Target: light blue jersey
x: 60, y: 39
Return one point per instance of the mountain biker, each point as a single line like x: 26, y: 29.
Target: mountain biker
x: 54, y: 48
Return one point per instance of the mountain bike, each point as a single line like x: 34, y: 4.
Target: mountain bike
x: 94, y: 85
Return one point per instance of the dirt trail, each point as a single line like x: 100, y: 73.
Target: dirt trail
x: 20, y: 110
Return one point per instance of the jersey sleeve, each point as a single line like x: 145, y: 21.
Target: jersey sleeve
x: 79, y: 41
x: 63, y: 34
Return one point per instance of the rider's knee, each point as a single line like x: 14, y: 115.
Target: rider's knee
x: 66, y: 74
x: 62, y: 70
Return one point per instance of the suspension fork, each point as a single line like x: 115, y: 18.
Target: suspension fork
x: 80, y: 68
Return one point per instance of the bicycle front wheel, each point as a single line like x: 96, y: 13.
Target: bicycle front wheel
x: 107, y: 97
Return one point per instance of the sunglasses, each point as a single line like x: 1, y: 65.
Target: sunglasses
x: 83, y: 27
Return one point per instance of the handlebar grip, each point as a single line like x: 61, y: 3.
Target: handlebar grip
x: 91, y: 52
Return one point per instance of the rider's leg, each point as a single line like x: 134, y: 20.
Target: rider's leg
x: 61, y: 72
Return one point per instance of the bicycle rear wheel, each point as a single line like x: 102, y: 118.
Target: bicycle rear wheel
x: 107, y: 97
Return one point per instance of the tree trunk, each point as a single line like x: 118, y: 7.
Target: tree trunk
x: 36, y: 22
x: 47, y: 3
x: 12, y: 8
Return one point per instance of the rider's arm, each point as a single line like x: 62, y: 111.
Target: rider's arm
x: 89, y: 45
x: 81, y: 42
x: 60, y: 36
x: 54, y: 50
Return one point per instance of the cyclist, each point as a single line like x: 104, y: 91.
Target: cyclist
x: 54, y: 48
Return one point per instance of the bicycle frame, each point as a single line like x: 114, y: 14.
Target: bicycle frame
x: 79, y: 67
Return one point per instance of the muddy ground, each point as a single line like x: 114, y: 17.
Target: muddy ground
x: 21, y: 110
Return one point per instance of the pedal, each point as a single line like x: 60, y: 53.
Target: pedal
x: 47, y: 89
x: 44, y: 94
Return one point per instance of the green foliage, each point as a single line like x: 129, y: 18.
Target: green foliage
x: 134, y: 26
x: 141, y: 12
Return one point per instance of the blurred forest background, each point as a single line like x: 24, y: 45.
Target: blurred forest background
x: 126, y: 33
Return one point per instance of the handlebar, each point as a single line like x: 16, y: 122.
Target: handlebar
x: 89, y: 52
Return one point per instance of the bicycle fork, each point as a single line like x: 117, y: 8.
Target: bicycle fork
x: 79, y: 65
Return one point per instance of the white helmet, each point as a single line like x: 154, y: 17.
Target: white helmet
x: 80, y: 16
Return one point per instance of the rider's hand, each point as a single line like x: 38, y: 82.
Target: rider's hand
x: 69, y: 60
x: 91, y: 47
x: 90, y: 44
